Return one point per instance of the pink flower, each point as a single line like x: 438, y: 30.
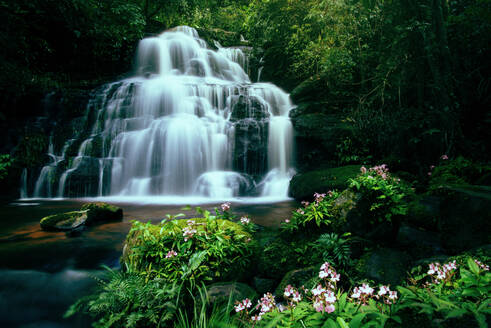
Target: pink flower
x: 287, y: 220
x: 188, y: 232
x: 247, y: 303
x: 444, y: 157
x: 288, y: 291
x: 239, y: 307
x: 171, y: 254
x: 363, y: 170
x: 429, y: 174
x: 432, y: 167
x: 318, y: 290
x: 330, y: 308
x: 305, y: 203
x: 392, y: 295
x: 225, y: 206
x: 300, y: 211
x: 383, y: 290
x: 482, y: 265
x: 296, y: 297
x: 245, y: 220
x: 256, y: 318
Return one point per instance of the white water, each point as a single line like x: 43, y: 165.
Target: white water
x: 189, y: 124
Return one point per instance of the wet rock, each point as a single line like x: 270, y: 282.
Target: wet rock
x: 64, y: 221
x: 102, y: 212
x: 222, y: 292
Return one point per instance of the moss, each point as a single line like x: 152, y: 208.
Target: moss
x: 304, y: 185
x: 63, y: 221
x: 100, y: 212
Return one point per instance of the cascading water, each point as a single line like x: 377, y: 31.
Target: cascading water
x: 190, y: 123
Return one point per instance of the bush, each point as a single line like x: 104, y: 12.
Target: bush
x: 195, y: 250
x: 386, y: 196
x: 316, y: 214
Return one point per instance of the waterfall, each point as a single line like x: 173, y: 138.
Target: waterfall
x: 23, y: 184
x: 189, y: 123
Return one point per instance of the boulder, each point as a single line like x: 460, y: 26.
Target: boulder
x: 385, y: 266
x: 465, y: 218
x: 263, y: 285
x: 297, y: 278
x: 102, y: 212
x: 90, y: 214
x: 64, y: 221
x: 222, y: 292
x: 304, y: 185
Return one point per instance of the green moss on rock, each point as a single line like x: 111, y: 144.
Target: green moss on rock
x: 304, y: 185
x: 102, y: 212
x: 64, y: 221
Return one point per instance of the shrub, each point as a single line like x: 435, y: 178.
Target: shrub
x: 335, y: 249
x: 195, y: 250
x: 386, y: 196
x: 316, y: 214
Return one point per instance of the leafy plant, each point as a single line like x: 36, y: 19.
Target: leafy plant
x: 318, y: 213
x: 385, y: 195
x: 5, y: 163
x: 129, y: 300
x: 446, y: 292
x: 335, y: 249
x: 194, y: 251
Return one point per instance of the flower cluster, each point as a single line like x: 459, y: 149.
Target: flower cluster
x: 264, y: 305
x: 225, y: 206
x: 363, y: 293
x: 243, y: 305
x: 388, y: 296
x: 292, y: 295
x: 319, y: 197
x: 482, y: 265
x: 245, y: 220
x: 323, y: 299
x: 189, y: 231
x: 328, y: 272
x: 170, y: 254
x: 305, y: 203
x: 444, y: 157
x: 442, y: 272
x: 380, y: 170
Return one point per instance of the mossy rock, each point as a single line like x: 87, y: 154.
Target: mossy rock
x: 64, y: 221
x: 304, y: 185
x: 297, y: 278
x: 385, y: 266
x: 222, y: 292
x: 309, y: 90
x: 102, y: 212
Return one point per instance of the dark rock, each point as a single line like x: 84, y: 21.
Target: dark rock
x: 427, y: 242
x: 251, y: 147
x: 386, y: 266
x: 64, y: 221
x: 102, y: 212
x: 222, y: 292
x: 308, y: 90
x: 465, y: 218
x: 296, y: 278
x: 304, y: 185
x: 263, y: 285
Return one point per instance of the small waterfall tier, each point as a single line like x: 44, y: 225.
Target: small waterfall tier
x: 189, y: 123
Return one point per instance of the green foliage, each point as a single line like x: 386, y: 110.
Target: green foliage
x: 318, y: 213
x: 129, y: 300
x: 194, y: 251
x: 386, y: 196
x: 335, y: 249
x: 461, y: 293
x: 455, y: 172
x: 5, y: 163
x: 31, y: 150
x: 206, y: 315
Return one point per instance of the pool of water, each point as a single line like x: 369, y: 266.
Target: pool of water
x: 42, y: 273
